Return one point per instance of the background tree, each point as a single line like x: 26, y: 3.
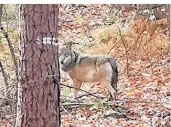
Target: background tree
x: 38, y: 67
x: 9, y: 38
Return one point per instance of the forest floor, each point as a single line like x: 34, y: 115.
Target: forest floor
x: 143, y: 98
x: 143, y: 101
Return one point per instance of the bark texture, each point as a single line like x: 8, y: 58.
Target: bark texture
x: 39, y: 67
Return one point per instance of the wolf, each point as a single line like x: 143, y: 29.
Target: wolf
x: 89, y: 68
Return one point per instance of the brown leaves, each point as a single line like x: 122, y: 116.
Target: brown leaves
x: 141, y: 48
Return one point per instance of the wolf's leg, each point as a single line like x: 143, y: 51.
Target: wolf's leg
x: 107, y: 83
x: 77, y: 85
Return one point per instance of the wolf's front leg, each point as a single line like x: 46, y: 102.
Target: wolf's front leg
x: 77, y: 85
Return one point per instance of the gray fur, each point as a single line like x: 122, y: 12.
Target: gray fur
x: 89, y: 68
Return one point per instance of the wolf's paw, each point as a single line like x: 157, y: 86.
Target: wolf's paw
x: 115, y: 95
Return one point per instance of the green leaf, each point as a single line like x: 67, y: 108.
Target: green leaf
x: 66, y: 91
x: 80, y: 19
x: 96, y: 104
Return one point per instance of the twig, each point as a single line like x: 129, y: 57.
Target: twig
x: 126, y: 51
x: 70, y: 104
x: 120, y: 38
x: 113, y: 45
x: 82, y: 90
x: 157, y: 6
x: 8, y: 99
x: 5, y: 97
x: 2, y: 88
x: 6, y: 84
x: 85, y: 95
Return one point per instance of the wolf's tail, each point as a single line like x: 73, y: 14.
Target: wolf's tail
x: 114, y: 79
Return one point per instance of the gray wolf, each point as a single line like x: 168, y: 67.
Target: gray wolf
x: 89, y: 68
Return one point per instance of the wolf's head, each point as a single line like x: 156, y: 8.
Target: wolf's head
x: 67, y: 57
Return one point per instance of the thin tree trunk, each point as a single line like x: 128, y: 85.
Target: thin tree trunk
x: 39, y: 67
x: 1, y: 5
x: 11, y: 51
x: 5, y: 78
x: 9, y: 44
x: 1, y: 66
x: 169, y: 9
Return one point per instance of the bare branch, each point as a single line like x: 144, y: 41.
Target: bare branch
x: 11, y: 50
x: 82, y: 90
x: 4, y: 76
x: 9, y: 44
x: 120, y: 100
x: 1, y: 5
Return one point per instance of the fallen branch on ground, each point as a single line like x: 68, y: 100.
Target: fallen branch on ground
x: 119, y: 100
x: 82, y: 90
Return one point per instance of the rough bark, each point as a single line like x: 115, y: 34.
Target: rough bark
x: 39, y: 67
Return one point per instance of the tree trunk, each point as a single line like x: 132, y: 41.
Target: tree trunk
x: 38, y: 67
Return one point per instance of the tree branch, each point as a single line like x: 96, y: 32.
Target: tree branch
x: 4, y: 75
x: 82, y: 90
x: 11, y: 50
x: 9, y: 44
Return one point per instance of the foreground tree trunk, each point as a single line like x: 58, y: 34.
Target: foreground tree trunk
x: 38, y: 97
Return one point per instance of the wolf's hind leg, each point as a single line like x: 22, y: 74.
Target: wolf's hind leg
x: 77, y: 85
x: 107, y: 83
